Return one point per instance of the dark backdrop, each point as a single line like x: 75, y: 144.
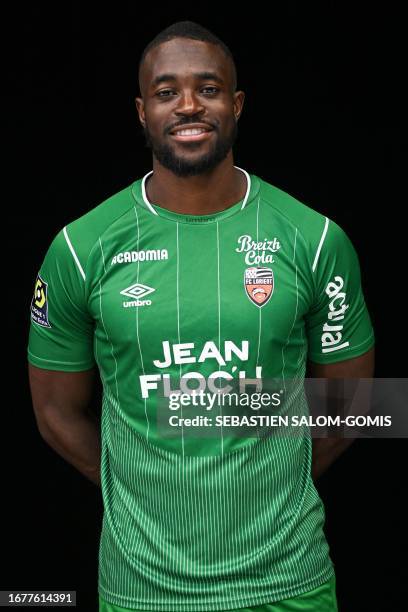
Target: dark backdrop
x: 323, y: 120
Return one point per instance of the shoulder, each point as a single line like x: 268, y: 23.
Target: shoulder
x: 317, y: 230
x: 86, y: 230
x: 80, y: 235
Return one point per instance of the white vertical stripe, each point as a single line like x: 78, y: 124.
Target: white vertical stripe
x: 218, y: 288
x: 178, y: 325
x: 302, y: 351
x: 137, y: 324
x: 294, y: 318
x: 260, y: 309
x: 316, y: 259
x: 259, y: 335
x: 74, y: 255
x: 219, y: 323
x: 104, y: 327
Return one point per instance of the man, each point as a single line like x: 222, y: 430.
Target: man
x: 197, y: 270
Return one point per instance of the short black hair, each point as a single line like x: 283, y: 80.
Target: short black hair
x: 194, y: 31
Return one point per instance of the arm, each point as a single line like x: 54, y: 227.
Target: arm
x: 326, y: 450
x: 60, y: 401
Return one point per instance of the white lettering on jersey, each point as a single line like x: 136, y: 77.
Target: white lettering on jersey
x: 182, y: 353
x: 252, y: 248
x: 150, y: 255
x: 137, y: 291
x: 137, y: 303
x: 332, y: 334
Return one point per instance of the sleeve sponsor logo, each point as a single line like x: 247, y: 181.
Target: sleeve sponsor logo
x: 39, y: 303
x: 332, y: 330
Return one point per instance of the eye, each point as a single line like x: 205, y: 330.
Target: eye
x: 163, y: 91
x: 215, y: 89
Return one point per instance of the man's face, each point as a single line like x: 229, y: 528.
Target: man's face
x: 186, y: 82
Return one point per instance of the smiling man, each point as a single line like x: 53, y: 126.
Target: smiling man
x: 197, y: 272
x: 182, y: 144
x: 189, y: 111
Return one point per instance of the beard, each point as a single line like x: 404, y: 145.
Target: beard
x: 183, y: 166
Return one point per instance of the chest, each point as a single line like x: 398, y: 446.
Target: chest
x: 191, y: 288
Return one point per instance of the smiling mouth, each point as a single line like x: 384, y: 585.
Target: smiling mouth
x: 191, y: 135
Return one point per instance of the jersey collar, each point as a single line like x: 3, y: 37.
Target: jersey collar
x: 151, y: 208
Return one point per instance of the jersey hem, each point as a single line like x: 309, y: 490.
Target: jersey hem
x: 65, y: 366
x: 362, y: 348
x: 219, y: 605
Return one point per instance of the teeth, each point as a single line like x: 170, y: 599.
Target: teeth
x: 191, y: 132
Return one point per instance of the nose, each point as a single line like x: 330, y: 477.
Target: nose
x: 188, y: 104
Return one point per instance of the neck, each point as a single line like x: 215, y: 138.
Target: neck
x: 207, y: 193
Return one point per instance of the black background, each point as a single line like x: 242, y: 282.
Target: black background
x: 323, y: 120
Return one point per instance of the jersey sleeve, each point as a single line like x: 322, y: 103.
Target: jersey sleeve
x: 61, y: 328
x: 338, y: 323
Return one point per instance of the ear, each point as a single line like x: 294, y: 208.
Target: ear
x: 239, y: 98
x: 140, y: 109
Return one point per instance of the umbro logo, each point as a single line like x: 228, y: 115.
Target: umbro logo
x: 136, y: 292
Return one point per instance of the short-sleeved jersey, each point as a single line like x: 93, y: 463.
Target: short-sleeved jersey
x: 150, y: 295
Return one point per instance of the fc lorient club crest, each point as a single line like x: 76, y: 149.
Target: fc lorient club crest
x: 259, y: 284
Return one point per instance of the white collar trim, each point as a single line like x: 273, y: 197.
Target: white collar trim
x: 152, y: 210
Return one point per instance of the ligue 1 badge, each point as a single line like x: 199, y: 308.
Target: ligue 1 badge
x: 39, y: 303
x: 259, y: 284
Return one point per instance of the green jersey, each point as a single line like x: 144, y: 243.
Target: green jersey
x: 151, y: 296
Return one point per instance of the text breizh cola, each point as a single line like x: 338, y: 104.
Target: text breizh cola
x: 256, y: 252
